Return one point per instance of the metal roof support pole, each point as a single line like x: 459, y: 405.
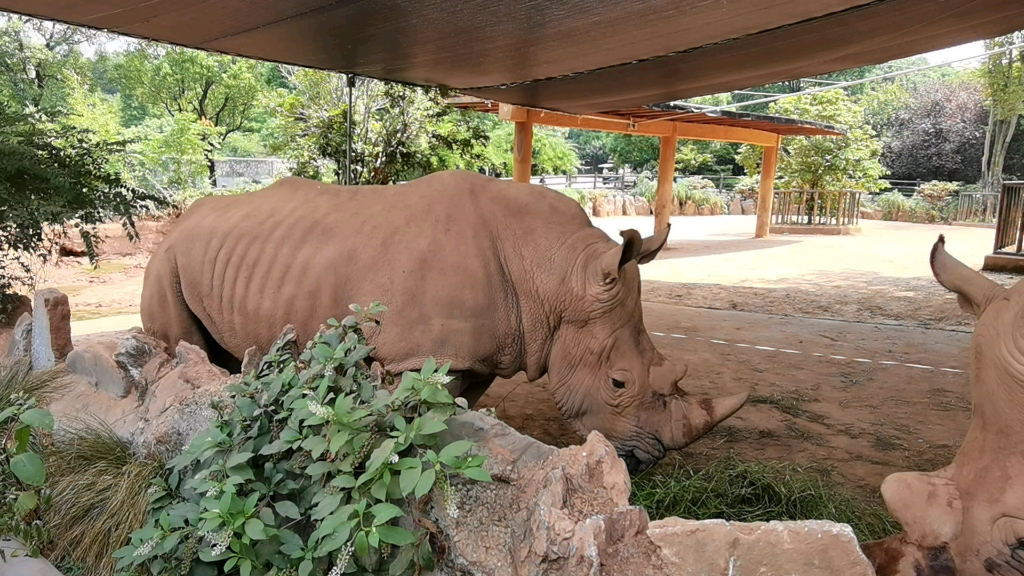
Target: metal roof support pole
x: 351, y: 83
x: 766, y: 193
x: 666, y: 178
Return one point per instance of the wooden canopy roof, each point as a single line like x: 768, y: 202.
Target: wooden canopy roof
x: 678, y: 120
x: 576, y: 56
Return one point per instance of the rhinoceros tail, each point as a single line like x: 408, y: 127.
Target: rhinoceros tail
x: 167, y: 317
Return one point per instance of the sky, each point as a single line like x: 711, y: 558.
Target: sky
x: 956, y: 52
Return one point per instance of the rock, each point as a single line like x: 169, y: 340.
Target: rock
x: 617, y: 206
x: 736, y: 207
x: 196, y: 368
x: 601, y: 208
x: 704, y: 211
x: 19, y: 563
x: 21, y: 338
x: 690, y: 209
x: 677, y: 208
x: 51, y: 328
x: 133, y: 356
x: 22, y: 304
x: 749, y: 207
x: 93, y: 361
x: 628, y: 206
x: 869, y: 214
x: 548, y: 511
x: 251, y: 360
x: 811, y: 547
x: 716, y: 209
x: 643, y: 208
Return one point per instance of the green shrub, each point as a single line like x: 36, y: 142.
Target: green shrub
x: 647, y: 187
x: 24, y: 425
x: 303, y: 471
x: 893, y: 205
x: 700, y: 191
x: 748, y: 491
x: 935, y: 192
x: 580, y: 196
x: 748, y: 186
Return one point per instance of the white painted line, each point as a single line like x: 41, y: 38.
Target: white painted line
x: 819, y: 354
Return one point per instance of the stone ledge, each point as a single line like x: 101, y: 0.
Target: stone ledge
x: 816, y: 230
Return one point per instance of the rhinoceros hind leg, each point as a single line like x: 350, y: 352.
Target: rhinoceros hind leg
x: 469, y: 386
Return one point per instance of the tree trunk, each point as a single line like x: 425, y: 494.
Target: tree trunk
x: 997, y: 142
x: 211, y: 167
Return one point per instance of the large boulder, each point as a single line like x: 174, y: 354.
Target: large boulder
x: 736, y: 207
x: 628, y: 206
x: 567, y: 511
x: 51, y: 328
x: 698, y: 548
x: 643, y: 207
x: 749, y: 207
x: 20, y: 342
x: 617, y: 207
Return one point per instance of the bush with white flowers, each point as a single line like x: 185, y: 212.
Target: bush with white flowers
x: 306, y: 469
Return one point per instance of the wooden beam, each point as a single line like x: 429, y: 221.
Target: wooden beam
x: 522, y: 152
x: 766, y: 193
x: 603, y: 123
x: 666, y: 177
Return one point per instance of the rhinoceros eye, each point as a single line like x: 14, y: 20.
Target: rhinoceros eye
x: 618, y: 384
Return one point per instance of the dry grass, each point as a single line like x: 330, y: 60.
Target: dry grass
x: 99, y: 488
x: 791, y: 404
x: 17, y: 377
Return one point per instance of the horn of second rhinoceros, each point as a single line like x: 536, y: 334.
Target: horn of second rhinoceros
x: 685, y: 420
x: 974, y: 291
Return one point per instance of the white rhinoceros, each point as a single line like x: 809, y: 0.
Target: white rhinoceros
x: 494, y: 277
x: 968, y: 518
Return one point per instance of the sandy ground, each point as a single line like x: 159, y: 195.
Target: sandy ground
x: 868, y: 368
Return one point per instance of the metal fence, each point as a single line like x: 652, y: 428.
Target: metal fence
x: 979, y: 207
x: 1010, y: 220
x: 816, y: 208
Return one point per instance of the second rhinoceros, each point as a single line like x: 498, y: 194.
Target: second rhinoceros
x: 494, y: 277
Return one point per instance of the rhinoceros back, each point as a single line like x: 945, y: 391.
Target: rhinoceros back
x: 298, y: 252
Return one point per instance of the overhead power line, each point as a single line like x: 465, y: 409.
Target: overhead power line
x: 839, y: 85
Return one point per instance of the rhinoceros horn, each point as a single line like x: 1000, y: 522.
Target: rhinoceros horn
x: 689, y: 419
x: 974, y: 291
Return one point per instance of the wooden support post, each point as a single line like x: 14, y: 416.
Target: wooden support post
x: 666, y: 177
x: 767, y: 191
x: 522, y: 152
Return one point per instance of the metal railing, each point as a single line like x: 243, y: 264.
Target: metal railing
x: 1010, y: 219
x: 980, y: 207
x: 816, y: 208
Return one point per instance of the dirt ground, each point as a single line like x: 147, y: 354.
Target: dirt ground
x: 855, y: 357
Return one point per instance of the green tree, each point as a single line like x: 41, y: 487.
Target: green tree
x: 398, y: 131
x: 1003, y: 78
x: 52, y: 175
x: 224, y: 93
x: 638, y: 152
x: 552, y: 151
x: 591, y: 147
x: 825, y: 162
x: 37, y: 58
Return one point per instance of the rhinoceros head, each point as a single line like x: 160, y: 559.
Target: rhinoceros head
x: 605, y: 372
x: 968, y: 518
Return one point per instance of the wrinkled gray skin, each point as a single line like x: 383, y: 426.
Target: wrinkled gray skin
x: 494, y: 277
x: 968, y: 518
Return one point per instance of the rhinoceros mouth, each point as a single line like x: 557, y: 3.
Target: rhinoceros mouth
x: 638, y: 460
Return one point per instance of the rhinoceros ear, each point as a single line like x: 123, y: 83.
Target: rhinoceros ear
x: 653, y: 245
x: 614, y: 259
x: 974, y: 292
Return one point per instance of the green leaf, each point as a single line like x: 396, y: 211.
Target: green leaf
x: 254, y: 529
x: 395, y: 535
x: 428, y: 367
x: 425, y: 483
x: 316, y: 445
x: 431, y: 426
x: 305, y: 568
x: 334, y: 541
x: 452, y: 451
x: 379, y: 490
x: 38, y: 418
x: 362, y: 545
x: 402, y: 561
x: 384, y: 511
x: 287, y: 509
x: 319, y: 468
x: 245, y: 567
x: 25, y: 503
x: 240, y: 458
x: 408, y: 479
x: 267, y: 516
x: 379, y: 455
x: 28, y: 467
x: 478, y: 474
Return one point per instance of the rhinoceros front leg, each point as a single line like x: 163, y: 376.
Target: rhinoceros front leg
x: 469, y: 386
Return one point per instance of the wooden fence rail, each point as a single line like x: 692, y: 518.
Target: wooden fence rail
x: 816, y: 208
x: 1010, y: 220
x: 978, y: 207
